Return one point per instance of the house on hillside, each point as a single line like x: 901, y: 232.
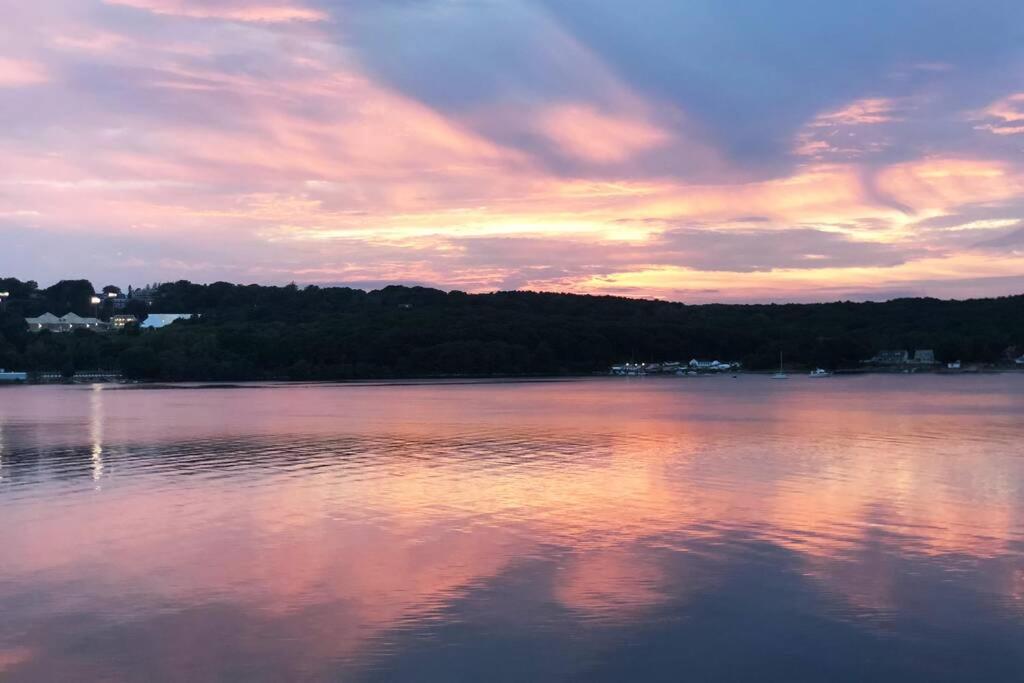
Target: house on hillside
x: 47, y: 321
x: 119, y: 322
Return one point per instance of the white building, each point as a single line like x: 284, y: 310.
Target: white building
x: 710, y: 365
x: 65, y: 323
x: 122, y: 321
x: 155, y: 321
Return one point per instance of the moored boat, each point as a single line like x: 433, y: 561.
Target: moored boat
x: 781, y: 374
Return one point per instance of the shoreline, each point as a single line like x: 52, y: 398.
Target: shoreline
x: 124, y: 384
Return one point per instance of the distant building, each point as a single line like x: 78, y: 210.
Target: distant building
x: 65, y: 323
x: 119, y: 322
x: 628, y: 369
x: 712, y: 365
x: 47, y: 321
x: 923, y: 357
x: 889, y: 358
x: 157, y: 320
x: 900, y: 357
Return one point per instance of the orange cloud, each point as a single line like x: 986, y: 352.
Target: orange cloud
x: 936, y: 184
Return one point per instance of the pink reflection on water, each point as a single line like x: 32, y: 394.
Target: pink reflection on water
x: 334, y: 517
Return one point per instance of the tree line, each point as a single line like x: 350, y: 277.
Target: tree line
x: 246, y: 332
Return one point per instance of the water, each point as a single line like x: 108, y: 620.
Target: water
x: 848, y: 529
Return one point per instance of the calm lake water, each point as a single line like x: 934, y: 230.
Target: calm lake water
x: 718, y: 529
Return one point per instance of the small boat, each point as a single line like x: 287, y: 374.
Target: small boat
x: 11, y: 376
x: 819, y: 372
x: 781, y: 374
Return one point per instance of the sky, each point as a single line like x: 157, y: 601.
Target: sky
x: 692, y: 150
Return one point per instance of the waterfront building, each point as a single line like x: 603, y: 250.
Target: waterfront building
x: 889, y: 358
x: 924, y: 357
x: 710, y: 365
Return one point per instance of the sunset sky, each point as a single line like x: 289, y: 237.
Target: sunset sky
x: 695, y: 150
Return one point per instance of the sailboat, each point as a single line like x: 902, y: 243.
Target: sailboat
x: 781, y: 374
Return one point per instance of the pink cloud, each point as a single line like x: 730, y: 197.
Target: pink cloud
x: 15, y: 73
x: 583, y: 131
x: 1006, y: 116
x: 859, y: 113
x: 232, y: 10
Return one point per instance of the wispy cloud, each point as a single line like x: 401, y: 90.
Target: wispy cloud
x: 232, y: 10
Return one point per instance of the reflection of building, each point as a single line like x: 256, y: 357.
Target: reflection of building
x: 65, y: 323
x: 122, y: 321
x: 157, y: 320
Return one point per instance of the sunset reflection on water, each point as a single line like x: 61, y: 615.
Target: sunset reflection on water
x: 591, y: 529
